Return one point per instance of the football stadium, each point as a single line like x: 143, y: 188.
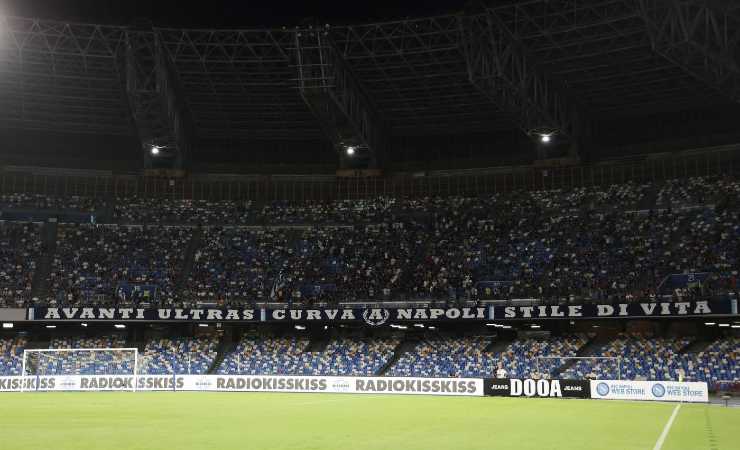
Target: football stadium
x: 440, y: 225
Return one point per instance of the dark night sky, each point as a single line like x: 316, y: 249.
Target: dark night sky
x: 227, y: 13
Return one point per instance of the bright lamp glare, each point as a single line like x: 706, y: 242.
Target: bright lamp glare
x: 119, y: 326
x: 155, y: 150
x: 350, y: 151
x: 7, y: 325
x: 545, y: 138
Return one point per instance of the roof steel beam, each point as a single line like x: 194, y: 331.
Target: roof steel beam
x: 156, y: 99
x: 500, y: 67
x: 335, y: 96
x: 702, y: 37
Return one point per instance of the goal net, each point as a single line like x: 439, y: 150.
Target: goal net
x: 81, y: 361
x: 581, y: 367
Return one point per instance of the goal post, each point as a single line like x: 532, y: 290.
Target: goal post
x: 80, y: 361
x: 609, y: 367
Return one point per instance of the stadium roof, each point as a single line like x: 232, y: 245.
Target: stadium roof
x: 524, y: 64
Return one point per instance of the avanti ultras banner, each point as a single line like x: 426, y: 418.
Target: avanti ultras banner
x: 378, y: 316
x: 527, y: 387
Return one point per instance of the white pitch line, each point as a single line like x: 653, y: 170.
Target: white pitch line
x: 667, y: 428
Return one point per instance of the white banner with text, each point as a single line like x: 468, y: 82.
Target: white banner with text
x: 246, y: 383
x: 666, y: 391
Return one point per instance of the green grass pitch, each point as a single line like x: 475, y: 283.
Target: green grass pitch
x: 222, y: 421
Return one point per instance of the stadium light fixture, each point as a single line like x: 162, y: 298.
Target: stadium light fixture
x: 432, y: 328
x: 83, y: 324
x: 350, y: 150
x: 724, y: 325
x: 51, y: 327
x: 300, y: 327
x: 120, y: 326
x: 736, y: 326
x: 533, y: 326
x: 419, y: 325
x: 7, y: 325
x: 709, y: 324
x: 203, y: 325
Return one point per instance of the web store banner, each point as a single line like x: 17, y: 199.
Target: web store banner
x: 380, y: 316
x: 514, y: 387
x: 666, y: 391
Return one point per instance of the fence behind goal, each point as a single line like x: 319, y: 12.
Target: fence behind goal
x: 581, y: 367
x: 80, y: 361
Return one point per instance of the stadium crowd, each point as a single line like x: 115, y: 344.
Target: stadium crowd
x: 103, y: 263
x: 620, y: 242
x: 20, y: 248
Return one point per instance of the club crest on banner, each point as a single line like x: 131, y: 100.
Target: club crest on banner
x: 602, y: 388
x: 658, y: 390
x: 376, y: 316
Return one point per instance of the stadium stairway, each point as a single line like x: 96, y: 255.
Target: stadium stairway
x: 686, y: 348
x: 697, y: 346
x: 648, y: 202
x: 497, y: 345
x: 591, y: 348
x: 189, y: 260
x: 317, y: 345
x: 225, y: 346
x: 107, y: 214
x: 406, y: 345
x: 40, y: 282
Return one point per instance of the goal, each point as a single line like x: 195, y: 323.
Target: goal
x: 581, y: 367
x: 81, y: 361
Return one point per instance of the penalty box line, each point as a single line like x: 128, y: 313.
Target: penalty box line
x: 667, y: 428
